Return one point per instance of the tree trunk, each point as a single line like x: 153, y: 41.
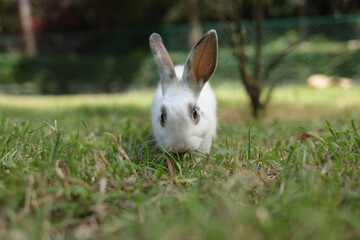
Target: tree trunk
x: 259, y: 20
x: 302, y: 15
x: 254, y: 93
x: 253, y: 82
x: 253, y: 90
x: 194, y: 20
x: 27, y: 27
x: 354, y: 26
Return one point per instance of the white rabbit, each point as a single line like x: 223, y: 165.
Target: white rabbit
x: 179, y: 70
x: 183, y: 112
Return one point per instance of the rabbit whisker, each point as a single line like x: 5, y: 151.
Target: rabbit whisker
x: 151, y: 140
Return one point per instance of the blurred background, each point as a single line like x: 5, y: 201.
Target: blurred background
x: 91, y: 46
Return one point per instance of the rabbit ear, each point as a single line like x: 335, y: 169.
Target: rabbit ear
x: 201, y: 62
x: 163, y: 61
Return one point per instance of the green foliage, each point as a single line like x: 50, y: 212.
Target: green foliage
x: 329, y: 58
x: 116, y: 59
x: 75, y: 167
x: 70, y: 73
x: 75, y: 73
x: 9, y: 21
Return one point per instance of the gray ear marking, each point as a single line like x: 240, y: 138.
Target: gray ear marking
x: 201, y: 62
x: 163, y: 61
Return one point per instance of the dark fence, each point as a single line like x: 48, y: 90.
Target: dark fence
x: 116, y: 59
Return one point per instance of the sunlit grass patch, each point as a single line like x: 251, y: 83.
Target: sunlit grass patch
x: 286, y: 102
x: 138, y: 99
x: 291, y: 103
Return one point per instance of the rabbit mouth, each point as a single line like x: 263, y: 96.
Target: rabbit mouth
x: 179, y: 146
x: 179, y: 149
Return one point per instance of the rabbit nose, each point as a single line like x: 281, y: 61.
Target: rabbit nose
x: 181, y: 148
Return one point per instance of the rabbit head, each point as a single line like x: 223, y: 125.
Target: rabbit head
x: 184, y: 107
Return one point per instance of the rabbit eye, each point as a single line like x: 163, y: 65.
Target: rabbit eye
x: 195, y: 114
x: 163, y: 117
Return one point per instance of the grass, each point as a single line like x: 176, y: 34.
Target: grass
x: 82, y: 167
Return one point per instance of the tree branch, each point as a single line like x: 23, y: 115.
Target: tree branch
x: 226, y: 27
x: 237, y: 8
x: 269, y: 93
x: 237, y: 36
x: 275, y: 62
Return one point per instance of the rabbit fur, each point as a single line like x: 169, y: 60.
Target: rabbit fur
x: 183, y: 112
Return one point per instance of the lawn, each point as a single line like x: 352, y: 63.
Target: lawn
x: 85, y: 167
